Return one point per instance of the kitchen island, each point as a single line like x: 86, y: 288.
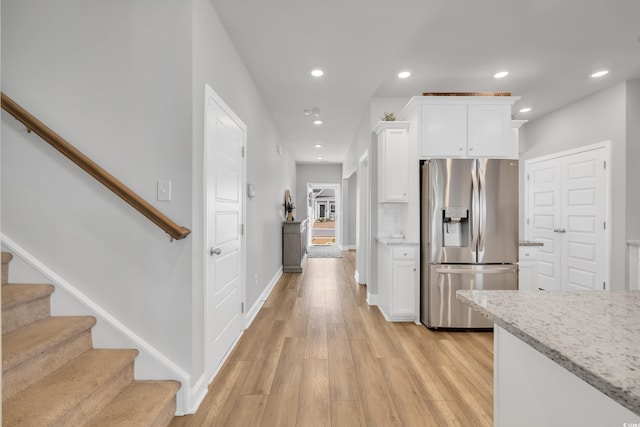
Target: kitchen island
x: 564, y: 357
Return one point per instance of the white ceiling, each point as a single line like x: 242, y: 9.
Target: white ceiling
x: 549, y: 47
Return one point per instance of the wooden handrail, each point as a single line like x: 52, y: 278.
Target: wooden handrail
x: 72, y: 153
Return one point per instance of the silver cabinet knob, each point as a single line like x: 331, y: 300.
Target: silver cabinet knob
x: 215, y: 251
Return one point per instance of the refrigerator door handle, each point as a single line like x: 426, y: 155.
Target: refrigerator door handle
x: 482, y: 212
x: 494, y: 270
x: 474, y: 210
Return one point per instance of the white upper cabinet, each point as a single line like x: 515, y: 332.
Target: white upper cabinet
x: 444, y: 130
x: 393, y: 162
x: 465, y: 126
x: 489, y: 131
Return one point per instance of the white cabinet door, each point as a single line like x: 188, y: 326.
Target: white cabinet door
x: 489, y: 131
x: 393, y: 155
x: 567, y: 211
x: 403, y: 291
x: 528, y: 268
x: 461, y: 130
x: 444, y: 131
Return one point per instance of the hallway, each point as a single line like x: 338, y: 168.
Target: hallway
x: 318, y: 355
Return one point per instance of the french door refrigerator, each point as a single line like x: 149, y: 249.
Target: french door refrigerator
x: 469, y: 215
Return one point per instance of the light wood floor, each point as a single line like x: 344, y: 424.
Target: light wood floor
x: 318, y: 355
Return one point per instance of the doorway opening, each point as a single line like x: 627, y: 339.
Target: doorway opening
x: 323, y: 212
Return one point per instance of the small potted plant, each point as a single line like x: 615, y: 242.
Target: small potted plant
x: 388, y: 117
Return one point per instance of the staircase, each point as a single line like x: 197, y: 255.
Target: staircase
x: 52, y: 375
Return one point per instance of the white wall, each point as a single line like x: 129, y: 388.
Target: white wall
x: 270, y: 172
x: 349, y: 206
x: 124, y: 82
x: 633, y: 159
x: 114, y: 79
x: 316, y: 174
x: 596, y: 118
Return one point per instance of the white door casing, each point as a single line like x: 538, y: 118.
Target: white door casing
x: 338, y: 209
x: 362, y: 219
x: 568, y: 209
x: 225, y: 179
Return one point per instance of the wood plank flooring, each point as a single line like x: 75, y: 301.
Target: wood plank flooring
x: 318, y: 355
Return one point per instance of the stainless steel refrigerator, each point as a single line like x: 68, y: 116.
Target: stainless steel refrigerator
x: 469, y: 211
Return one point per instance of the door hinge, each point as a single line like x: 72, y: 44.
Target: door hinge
x: 605, y: 164
x: 604, y: 285
x: 528, y: 177
x: 604, y: 225
x: 241, y: 307
x: 243, y: 151
x: 242, y: 229
x: 527, y: 221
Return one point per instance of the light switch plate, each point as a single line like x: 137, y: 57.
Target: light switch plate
x: 164, y: 189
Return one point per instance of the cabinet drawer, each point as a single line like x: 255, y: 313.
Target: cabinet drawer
x: 403, y: 253
x: 528, y: 253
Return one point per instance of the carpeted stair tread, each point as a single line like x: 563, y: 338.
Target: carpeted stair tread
x: 31, y: 340
x: 55, y: 397
x: 16, y: 294
x: 142, y: 403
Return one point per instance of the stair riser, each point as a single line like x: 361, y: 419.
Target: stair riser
x: 23, y: 314
x: 19, y: 377
x: 98, y: 400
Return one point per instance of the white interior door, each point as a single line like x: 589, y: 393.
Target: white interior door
x: 568, y: 208
x: 584, y: 211
x: 224, y: 142
x: 544, y: 217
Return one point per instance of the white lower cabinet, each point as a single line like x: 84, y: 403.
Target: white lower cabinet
x: 528, y: 268
x: 531, y: 390
x: 398, y: 282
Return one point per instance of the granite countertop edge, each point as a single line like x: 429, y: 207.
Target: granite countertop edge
x: 529, y: 243
x: 392, y: 241
x: 619, y: 395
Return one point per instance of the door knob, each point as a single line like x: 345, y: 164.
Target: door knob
x: 215, y: 251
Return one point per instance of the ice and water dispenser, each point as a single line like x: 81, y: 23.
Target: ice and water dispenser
x: 455, y: 226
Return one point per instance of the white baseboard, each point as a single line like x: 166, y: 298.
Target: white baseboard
x: 150, y: 364
x: 255, y: 308
x: 349, y: 247
x: 355, y: 276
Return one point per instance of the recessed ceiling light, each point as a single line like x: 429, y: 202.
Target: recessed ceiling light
x: 404, y: 74
x: 501, y: 74
x: 600, y: 73
x: 318, y: 146
x: 317, y: 122
x: 319, y: 158
x: 525, y: 109
x: 317, y: 72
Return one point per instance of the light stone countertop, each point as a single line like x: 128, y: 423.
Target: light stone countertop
x: 530, y: 243
x: 391, y: 241
x: 593, y: 334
